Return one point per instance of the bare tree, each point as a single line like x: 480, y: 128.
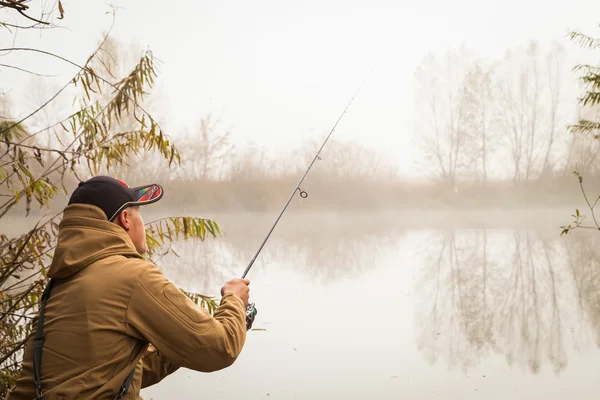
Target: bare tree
x: 207, y: 150
x: 554, y: 77
x: 442, y: 113
x: 530, y: 88
x: 478, y: 95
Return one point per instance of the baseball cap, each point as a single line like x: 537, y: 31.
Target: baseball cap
x: 113, y: 195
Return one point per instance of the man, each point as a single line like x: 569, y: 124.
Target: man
x: 113, y: 322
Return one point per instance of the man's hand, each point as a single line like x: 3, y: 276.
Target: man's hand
x: 239, y: 287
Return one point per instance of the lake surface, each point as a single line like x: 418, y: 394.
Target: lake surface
x: 378, y: 307
x: 413, y: 305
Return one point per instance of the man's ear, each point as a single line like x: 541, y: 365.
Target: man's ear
x: 123, y: 220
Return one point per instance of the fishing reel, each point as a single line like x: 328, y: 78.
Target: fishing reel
x: 250, y: 315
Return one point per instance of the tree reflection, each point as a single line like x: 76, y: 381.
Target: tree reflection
x: 517, y: 294
x: 456, y: 324
x: 583, y: 255
x: 530, y: 297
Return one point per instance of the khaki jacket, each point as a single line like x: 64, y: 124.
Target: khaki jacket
x: 110, y: 310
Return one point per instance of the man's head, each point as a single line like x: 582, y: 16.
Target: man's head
x: 120, y: 204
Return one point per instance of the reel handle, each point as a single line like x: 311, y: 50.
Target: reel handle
x: 250, y: 315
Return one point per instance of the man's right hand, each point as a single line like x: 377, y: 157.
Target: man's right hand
x: 239, y: 287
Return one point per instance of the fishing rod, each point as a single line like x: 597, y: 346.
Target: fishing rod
x: 251, y: 309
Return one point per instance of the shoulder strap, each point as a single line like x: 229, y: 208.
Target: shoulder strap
x: 125, y: 385
x: 38, y: 343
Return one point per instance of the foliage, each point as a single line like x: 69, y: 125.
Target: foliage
x: 579, y: 218
x: 590, y: 80
x: 203, y: 301
x: 91, y: 139
x: 163, y: 232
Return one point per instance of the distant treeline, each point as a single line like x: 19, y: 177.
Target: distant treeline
x: 270, y: 194
x: 348, y: 178
x: 253, y: 184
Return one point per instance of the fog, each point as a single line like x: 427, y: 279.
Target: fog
x: 426, y: 259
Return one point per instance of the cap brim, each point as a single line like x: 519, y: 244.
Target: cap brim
x: 147, y: 194
x: 143, y: 195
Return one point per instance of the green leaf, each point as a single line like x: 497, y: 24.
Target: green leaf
x: 184, y: 228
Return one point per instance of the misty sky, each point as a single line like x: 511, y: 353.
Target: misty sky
x: 277, y: 72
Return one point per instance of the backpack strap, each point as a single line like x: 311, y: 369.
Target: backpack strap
x: 125, y: 385
x: 38, y: 343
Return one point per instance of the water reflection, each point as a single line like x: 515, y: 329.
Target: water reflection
x: 583, y: 260
x: 325, y: 249
x: 528, y: 296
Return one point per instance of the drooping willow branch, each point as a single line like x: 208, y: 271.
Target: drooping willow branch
x: 86, y: 75
x: 84, y: 68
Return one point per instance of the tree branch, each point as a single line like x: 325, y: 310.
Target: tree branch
x: 16, y: 348
x: 34, y: 26
x: 23, y: 295
x: 26, y: 70
x: 20, y: 7
x: 38, y: 109
x: 75, y: 152
x: 33, y: 19
x: 81, y: 68
x: 61, y: 58
x: 15, y: 5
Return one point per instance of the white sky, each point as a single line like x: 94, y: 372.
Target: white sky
x: 279, y: 71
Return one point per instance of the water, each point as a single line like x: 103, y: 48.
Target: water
x: 419, y: 305
x: 365, y: 307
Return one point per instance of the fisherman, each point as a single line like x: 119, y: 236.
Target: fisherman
x: 113, y: 323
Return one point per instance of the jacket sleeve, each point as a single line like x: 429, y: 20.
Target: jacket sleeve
x: 155, y: 367
x: 185, y: 334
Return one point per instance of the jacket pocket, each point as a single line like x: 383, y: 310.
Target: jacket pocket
x: 185, y: 304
